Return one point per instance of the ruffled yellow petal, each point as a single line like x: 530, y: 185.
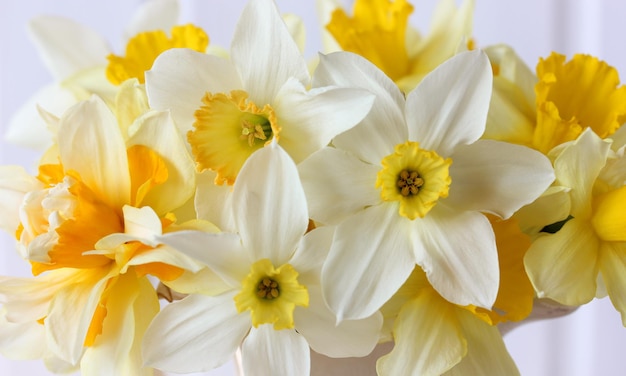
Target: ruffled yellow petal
x: 271, y: 294
x: 415, y: 177
x: 144, y: 48
x: 377, y: 31
x: 583, y: 92
x: 228, y: 129
x: 93, y: 219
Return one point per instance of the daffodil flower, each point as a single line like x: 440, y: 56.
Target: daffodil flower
x: 88, y: 226
x: 408, y: 184
x: 274, y: 308
x: 586, y: 255
x: 230, y: 108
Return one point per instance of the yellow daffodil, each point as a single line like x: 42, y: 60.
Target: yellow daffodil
x: 585, y: 256
x: 379, y: 30
x: 274, y: 303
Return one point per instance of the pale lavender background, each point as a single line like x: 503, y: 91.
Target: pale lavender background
x: 591, y: 341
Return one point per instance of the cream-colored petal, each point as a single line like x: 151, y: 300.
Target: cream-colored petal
x: 337, y: 184
x: 157, y: 131
x: 279, y: 352
x: 153, y: 15
x: 563, y: 266
x: 97, y: 152
x: 15, y: 182
x: 612, y: 265
x: 428, y: 338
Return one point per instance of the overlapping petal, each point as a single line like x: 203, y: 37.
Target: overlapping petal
x: 370, y: 258
x: 497, y: 177
x: 564, y: 266
x: 458, y: 253
x: 265, y: 348
x: 265, y: 54
x: 383, y: 127
x: 449, y: 107
x: 612, y: 266
x: 269, y: 205
x: 337, y: 184
x: 197, y: 333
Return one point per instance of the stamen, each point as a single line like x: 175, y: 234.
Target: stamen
x: 253, y: 131
x: 409, y: 182
x: 268, y: 289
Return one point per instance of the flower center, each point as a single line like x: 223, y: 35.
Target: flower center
x: 415, y: 177
x: 227, y: 129
x: 271, y: 294
x: 144, y: 48
x: 267, y: 289
x: 409, y: 182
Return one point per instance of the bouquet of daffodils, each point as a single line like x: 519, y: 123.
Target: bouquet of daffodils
x: 193, y: 203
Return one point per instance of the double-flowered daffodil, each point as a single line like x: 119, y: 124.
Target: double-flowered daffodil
x: 273, y: 308
x: 408, y: 184
x: 586, y: 256
x: 88, y: 225
x: 230, y: 108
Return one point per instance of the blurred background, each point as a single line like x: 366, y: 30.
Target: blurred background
x: 591, y: 341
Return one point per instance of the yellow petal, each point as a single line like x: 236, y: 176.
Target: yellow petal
x: 147, y: 170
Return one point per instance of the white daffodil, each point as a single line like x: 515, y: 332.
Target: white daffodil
x: 274, y: 308
x: 585, y: 257
x: 88, y: 225
x: 230, y: 108
x: 82, y: 63
x: 408, y: 186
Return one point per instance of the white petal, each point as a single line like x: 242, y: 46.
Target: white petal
x: 309, y: 120
x: 66, y: 46
x: 97, y: 152
x: 25, y: 340
x: 27, y: 128
x: 311, y: 254
x: 458, y: 253
x: 276, y: 352
x: 563, y: 266
x: 153, y: 15
x: 71, y: 313
x: 578, y: 166
x: 428, y: 338
x: 350, y: 338
x: 157, y: 130
x: 369, y: 260
x: 195, y: 334
x: 222, y: 252
x: 15, y: 182
x: 384, y: 127
x: 449, y: 107
x: 486, y: 351
x: 213, y: 202
x: 497, y: 177
x: 264, y: 52
x: 337, y: 184
x: 269, y: 205
x: 179, y: 78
